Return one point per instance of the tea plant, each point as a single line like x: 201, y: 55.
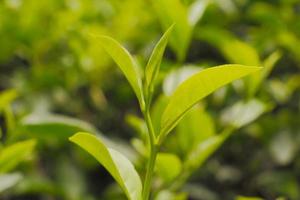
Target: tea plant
x: 187, y: 94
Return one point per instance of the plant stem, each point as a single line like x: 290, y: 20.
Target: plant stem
x: 152, y: 157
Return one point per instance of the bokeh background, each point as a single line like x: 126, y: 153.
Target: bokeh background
x: 55, y: 80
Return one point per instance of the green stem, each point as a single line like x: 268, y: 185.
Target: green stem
x: 152, y: 157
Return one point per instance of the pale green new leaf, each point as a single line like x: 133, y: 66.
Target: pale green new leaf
x: 125, y: 62
x: 197, y: 87
x: 168, y: 166
x: 154, y: 62
x: 12, y: 155
x: 114, y: 162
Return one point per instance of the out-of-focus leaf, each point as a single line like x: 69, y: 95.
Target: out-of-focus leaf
x: 197, y: 191
x: 168, y: 166
x: 173, y: 11
x: 203, y: 150
x: 196, y: 126
x: 283, y: 148
x: 248, y: 198
x: 154, y: 62
x: 50, y: 125
x: 256, y: 79
x: 6, y: 98
x: 157, y: 111
x: 279, y: 182
x: 12, y: 155
x: 243, y: 113
x: 196, y: 11
x: 176, y: 77
x: 125, y: 62
x: 55, y: 129
x: 279, y: 90
x: 114, y: 162
x: 9, y: 180
x: 239, y: 52
x: 197, y: 87
x: 70, y: 180
x: 168, y: 195
x: 139, y: 125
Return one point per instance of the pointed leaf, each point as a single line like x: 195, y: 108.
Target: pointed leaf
x: 197, y: 87
x: 114, y: 162
x: 125, y: 62
x: 153, y: 65
x: 12, y: 155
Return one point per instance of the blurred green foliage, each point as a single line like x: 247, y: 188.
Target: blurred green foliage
x: 56, y: 80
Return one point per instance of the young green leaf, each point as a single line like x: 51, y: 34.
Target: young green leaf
x: 114, y: 162
x: 197, y: 87
x: 154, y: 62
x: 12, y: 155
x: 125, y: 62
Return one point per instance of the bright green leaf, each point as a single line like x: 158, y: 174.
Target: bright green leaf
x: 125, y: 62
x: 154, y: 62
x: 197, y: 87
x: 12, y: 155
x: 168, y: 166
x: 114, y: 162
